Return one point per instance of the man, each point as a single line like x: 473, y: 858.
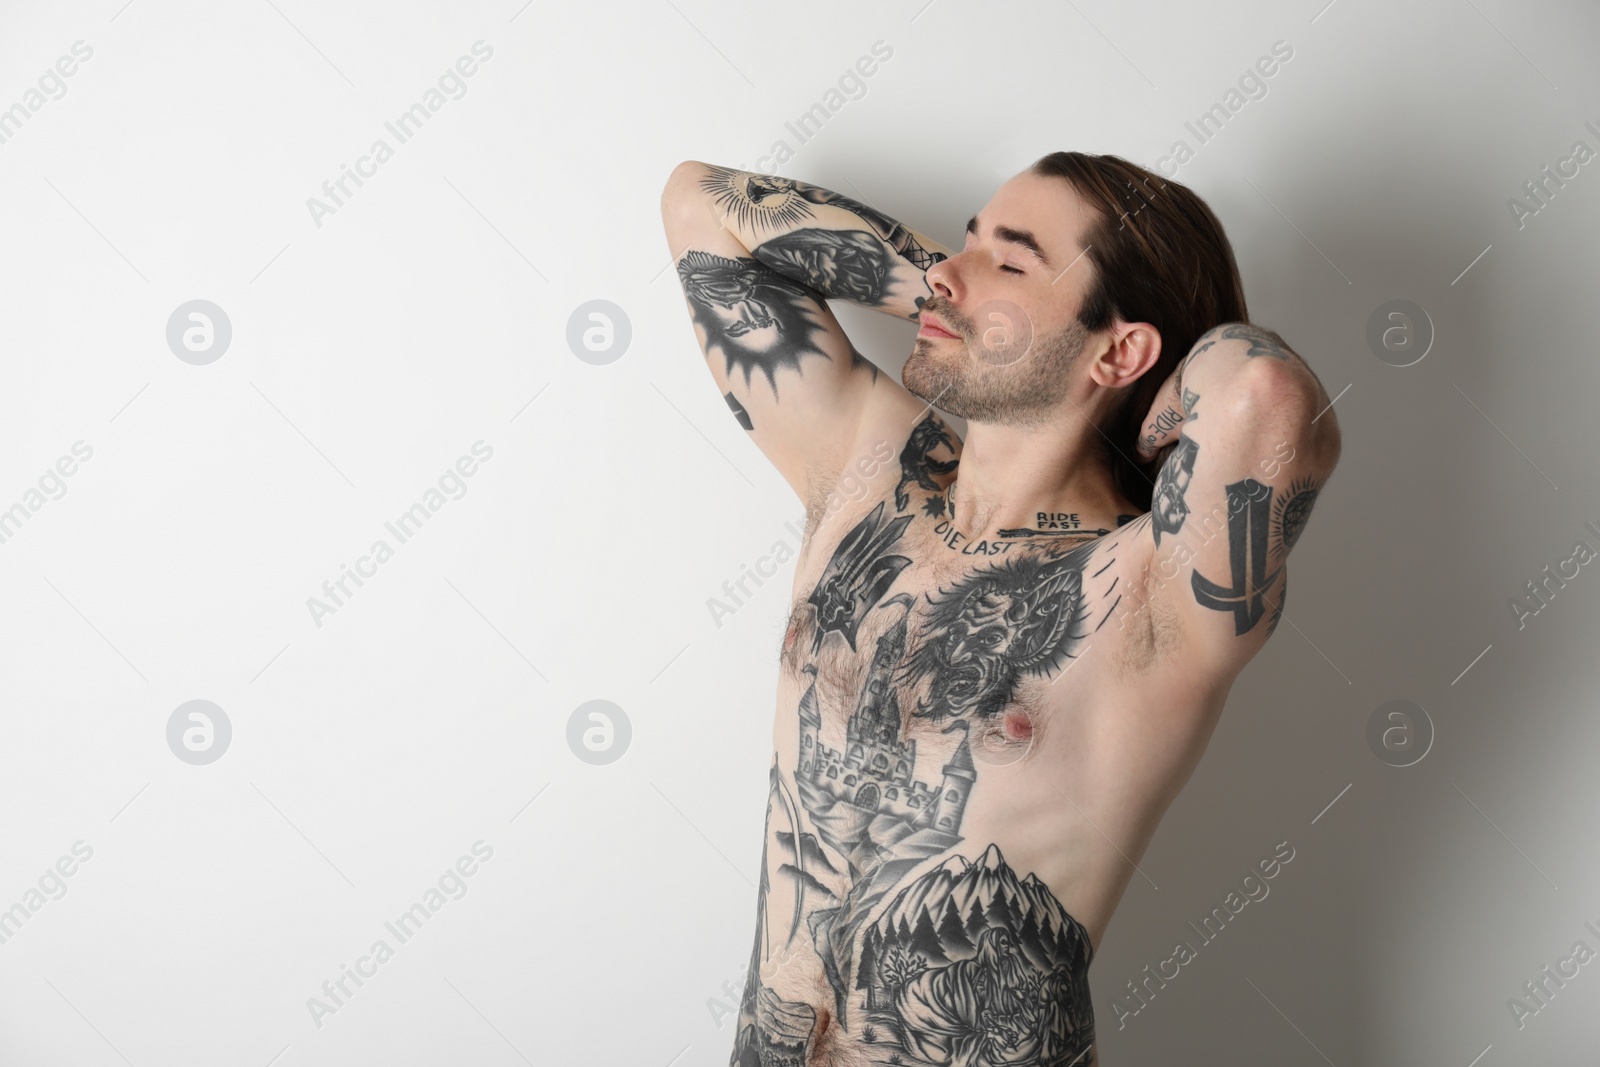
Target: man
x: 1006, y: 653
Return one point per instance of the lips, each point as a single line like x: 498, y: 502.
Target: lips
x: 931, y: 327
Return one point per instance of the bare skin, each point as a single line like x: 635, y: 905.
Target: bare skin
x: 998, y: 672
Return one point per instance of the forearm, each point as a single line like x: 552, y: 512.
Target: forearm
x: 833, y: 244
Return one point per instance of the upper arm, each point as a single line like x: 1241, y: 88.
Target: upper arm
x: 1233, y: 497
x: 778, y: 355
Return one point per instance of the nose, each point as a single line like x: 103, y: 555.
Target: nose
x: 944, y: 279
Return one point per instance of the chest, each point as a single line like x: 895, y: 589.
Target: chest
x: 896, y: 637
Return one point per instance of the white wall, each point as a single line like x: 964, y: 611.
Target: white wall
x: 373, y: 346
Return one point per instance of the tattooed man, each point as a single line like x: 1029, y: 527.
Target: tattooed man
x: 1006, y: 653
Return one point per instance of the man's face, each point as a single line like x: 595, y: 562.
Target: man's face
x: 1010, y: 298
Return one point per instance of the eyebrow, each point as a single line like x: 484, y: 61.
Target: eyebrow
x: 1016, y: 237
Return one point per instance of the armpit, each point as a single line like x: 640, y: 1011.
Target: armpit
x: 1152, y: 635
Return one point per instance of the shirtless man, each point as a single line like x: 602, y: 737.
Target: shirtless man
x: 1005, y: 654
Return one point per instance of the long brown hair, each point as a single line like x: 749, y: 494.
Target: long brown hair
x: 1159, y: 256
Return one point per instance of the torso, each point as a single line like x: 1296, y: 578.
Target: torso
x: 972, y: 747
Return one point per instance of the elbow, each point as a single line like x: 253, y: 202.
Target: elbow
x: 1319, y: 423
x: 1297, y: 407
x: 681, y: 185
x: 1327, y: 440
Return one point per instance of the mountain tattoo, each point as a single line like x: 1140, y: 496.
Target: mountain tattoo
x: 971, y: 965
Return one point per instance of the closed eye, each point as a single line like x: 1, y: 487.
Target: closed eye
x: 966, y: 246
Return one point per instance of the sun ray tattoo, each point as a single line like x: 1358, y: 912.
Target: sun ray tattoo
x: 858, y: 360
x: 1277, y: 609
x: 775, y: 202
x: 757, y: 201
x: 757, y: 317
x: 1291, y: 513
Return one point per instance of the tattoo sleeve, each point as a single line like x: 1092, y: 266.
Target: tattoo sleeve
x: 825, y: 240
x: 757, y: 318
x: 1234, y: 495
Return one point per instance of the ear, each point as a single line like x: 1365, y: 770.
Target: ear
x: 1134, y: 348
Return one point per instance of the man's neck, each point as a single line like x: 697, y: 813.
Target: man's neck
x: 1009, y: 477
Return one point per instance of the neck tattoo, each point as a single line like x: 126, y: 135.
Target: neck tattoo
x: 1053, y: 526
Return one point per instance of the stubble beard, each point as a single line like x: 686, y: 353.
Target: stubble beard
x: 945, y: 373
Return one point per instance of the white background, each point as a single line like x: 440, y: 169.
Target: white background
x: 430, y: 311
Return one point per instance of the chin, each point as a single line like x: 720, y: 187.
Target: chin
x: 925, y: 375
x: 920, y: 379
